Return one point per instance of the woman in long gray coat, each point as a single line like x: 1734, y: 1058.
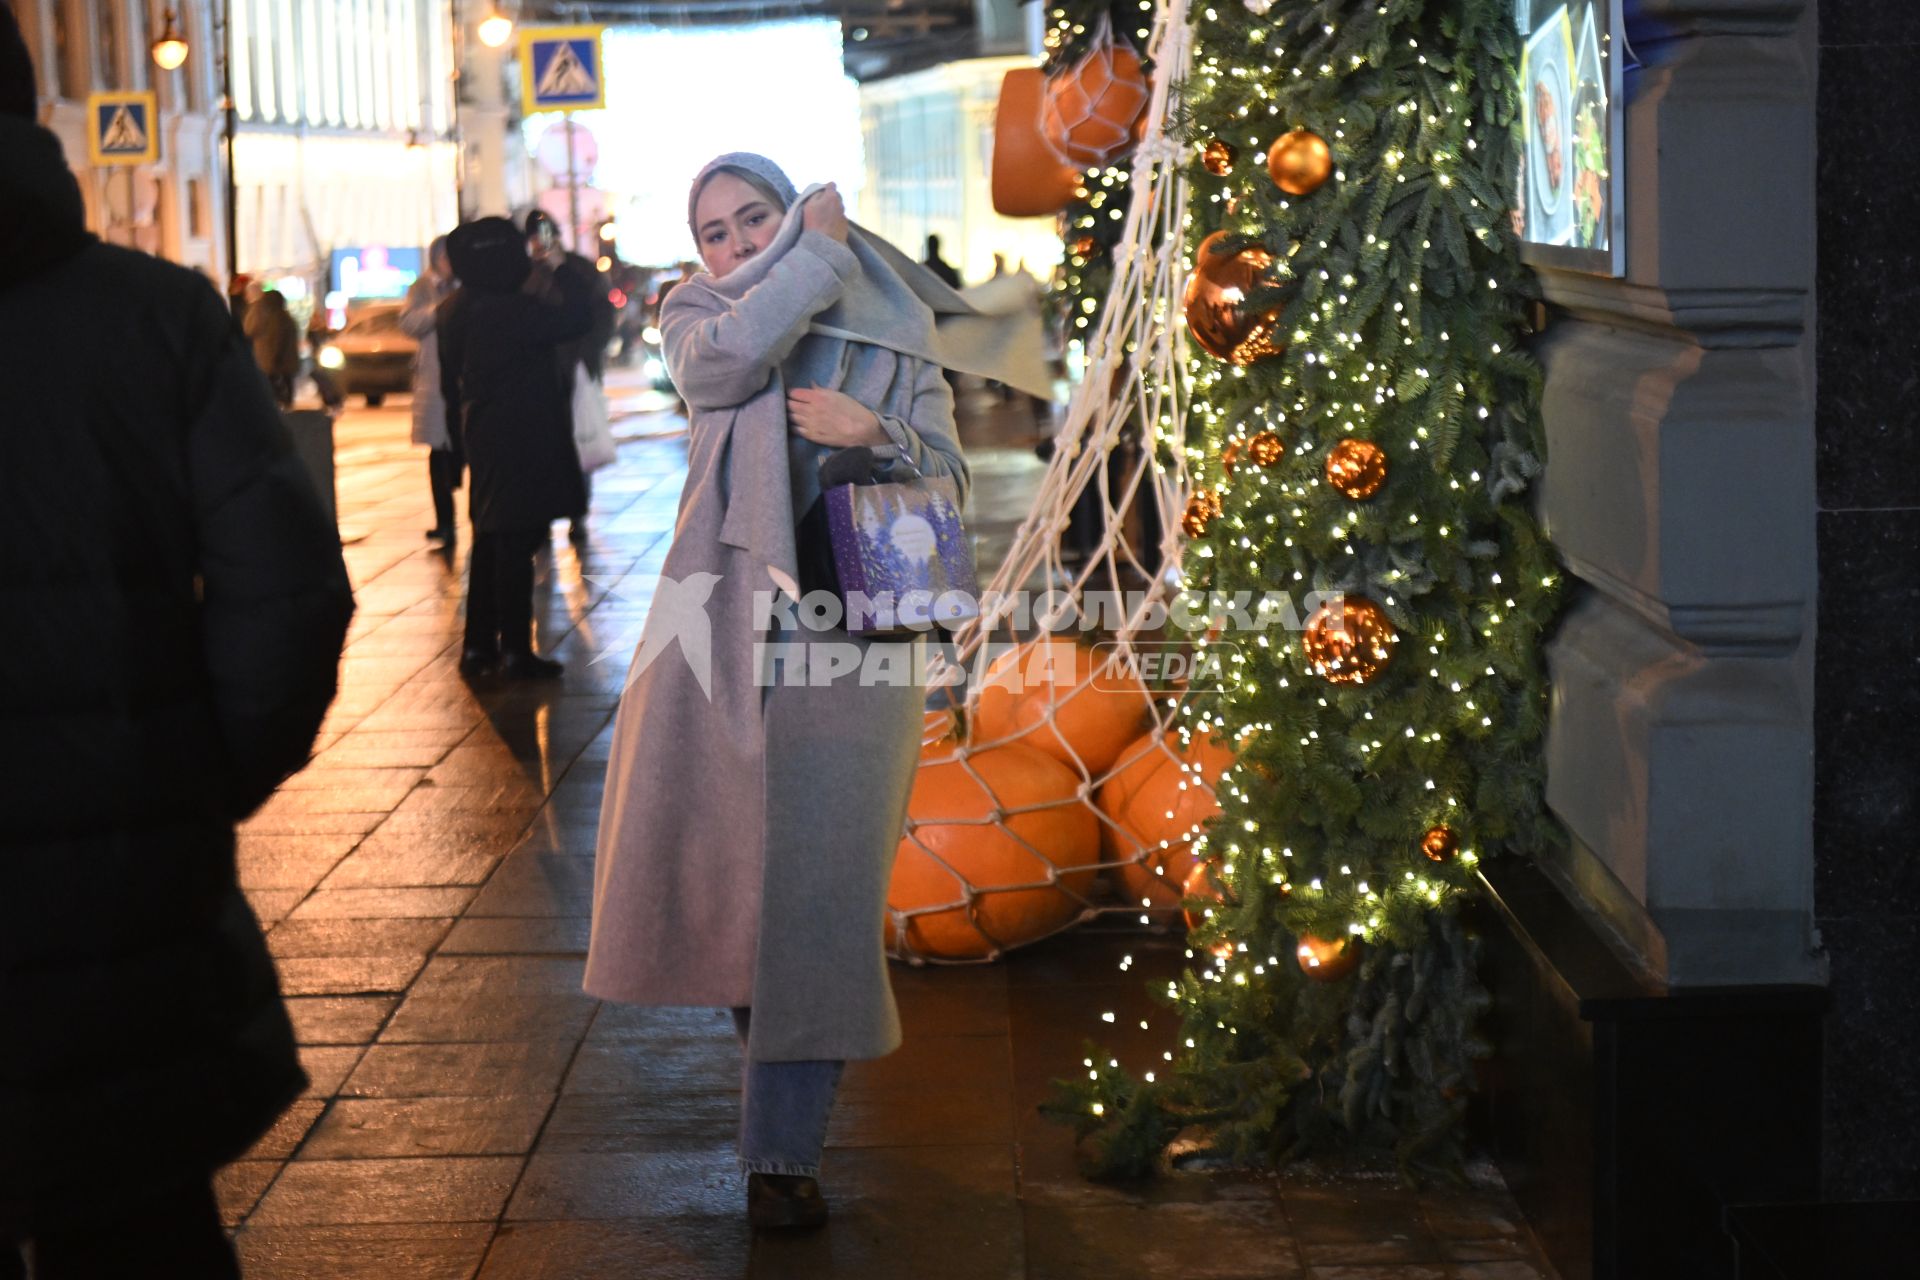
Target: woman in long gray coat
x: 751, y: 819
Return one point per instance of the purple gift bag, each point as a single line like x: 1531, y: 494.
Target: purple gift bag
x: 904, y: 559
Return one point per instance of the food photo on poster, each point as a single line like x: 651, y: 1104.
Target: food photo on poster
x: 1569, y: 182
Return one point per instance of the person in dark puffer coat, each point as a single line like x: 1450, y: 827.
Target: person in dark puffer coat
x: 172, y: 606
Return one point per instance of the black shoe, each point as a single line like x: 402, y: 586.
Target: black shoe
x: 530, y: 666
x: 577, y: 533
x: 477, y: 663
x: 784, y: 1202
x: 439, y: 535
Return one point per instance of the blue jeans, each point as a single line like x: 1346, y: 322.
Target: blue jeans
x: 783, y: 1111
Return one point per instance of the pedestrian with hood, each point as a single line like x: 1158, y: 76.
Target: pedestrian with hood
x: 175, y: 604
x: 507, y: 413
x: 444, y: 463
x: 750, y: 819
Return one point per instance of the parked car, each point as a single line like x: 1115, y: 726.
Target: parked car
x: 371, y: 357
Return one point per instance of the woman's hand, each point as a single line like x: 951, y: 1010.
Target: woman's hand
x: 826, y: 213
x: 832, y: 418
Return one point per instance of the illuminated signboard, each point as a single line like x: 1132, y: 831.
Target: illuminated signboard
x: 374, y: 271
x: 1570, y: 182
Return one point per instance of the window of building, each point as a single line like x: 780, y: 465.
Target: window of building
x: 67, y: 55
x: 110, y: 38
x: 241, y: 37
x: 196, y: 208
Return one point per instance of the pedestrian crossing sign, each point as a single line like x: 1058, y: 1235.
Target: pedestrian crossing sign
x: 123, y: 127
x: 561, y: 69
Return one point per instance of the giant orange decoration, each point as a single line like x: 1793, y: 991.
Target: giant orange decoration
x: 1080, y: 705
x: 1217, y: 292
x: 1147, y: 808
x: 1092, y: 111
x: 988, y: 838
x: 1029, y: 180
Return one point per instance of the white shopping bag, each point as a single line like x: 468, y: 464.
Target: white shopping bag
x: 592, y: 434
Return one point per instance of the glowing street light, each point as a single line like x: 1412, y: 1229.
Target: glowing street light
x: 169, y: 51
x: 496, y: 28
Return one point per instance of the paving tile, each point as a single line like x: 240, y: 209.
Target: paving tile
x: 647, y: 1184
x: 327, y: 1067
x: 629, y: 1022
x: 1373, y: 1216
x: 342, y: 800
x: 468, y: 998
x: 415, y: 748
x: 311, y: 824
x: 951, y: 1000
x: 374, y: 904
x: 447, y: 1189
x: 237, y: 1187
x: 1490, y: 1249
x: 1232, y: 1240
x: 280, y: 1142
x: 407, y: 1251
x: 921, y: 1118
x: 551, y: 835
x: 453, y: 850
x: 1412, y: 1271
x: 271, y: 906
x: 427, y: 1070
x: 345, y: 1020
x: 480, y: 761
x: 372, y: 1128
x: 666, y: 1063
x: 338, y: 936
x: 557, y: 935
x: 347, y: 975
x: 322, y: 777
x: 538, y: 884
x: 936, y: 1064
x: 497, y: 797
x: 668, y: 1248
x: 1514, y: 1270
x: 678, y: 1119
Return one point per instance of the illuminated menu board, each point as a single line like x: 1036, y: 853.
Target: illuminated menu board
x: 1569, y: 182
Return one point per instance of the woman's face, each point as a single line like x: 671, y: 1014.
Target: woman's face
x: 732, y: 222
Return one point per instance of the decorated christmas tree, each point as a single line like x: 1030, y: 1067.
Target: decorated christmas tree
x: 1364, y: 428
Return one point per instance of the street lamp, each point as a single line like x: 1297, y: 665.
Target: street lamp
x: 496, y: 28
x: 169, y: 51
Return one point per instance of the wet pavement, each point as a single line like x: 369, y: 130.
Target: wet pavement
x: 426, y: 884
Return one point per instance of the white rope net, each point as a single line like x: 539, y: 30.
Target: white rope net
x: 1073, y: 792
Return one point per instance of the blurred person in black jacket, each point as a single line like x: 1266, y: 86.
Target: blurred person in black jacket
x: 589, y: 351
x: 175, y: 604
x: 510, y: 413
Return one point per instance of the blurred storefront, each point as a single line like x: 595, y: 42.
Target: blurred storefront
x: 929, y: 148
x: 343, y: 126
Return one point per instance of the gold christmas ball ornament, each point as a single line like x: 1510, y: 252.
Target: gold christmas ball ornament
x: 1440, y: 844
x: 1218, y: 157
x: 1230, y: 457
x: 1300, y: 162
x: 1215, y: 303
x: 1202, y: 507
x: 1328, y: 960
x: 1266, y: 448
x: 1086, y: 247
x: 1349, y: 641
x: 1357, y: 468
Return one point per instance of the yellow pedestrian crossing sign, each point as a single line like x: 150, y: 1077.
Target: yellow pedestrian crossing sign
x: 123, y: 127
x: 561, y: 69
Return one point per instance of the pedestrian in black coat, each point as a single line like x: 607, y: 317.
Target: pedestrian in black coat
x: 512, y: 414
x: 174, y: 604
x: 589, y: 351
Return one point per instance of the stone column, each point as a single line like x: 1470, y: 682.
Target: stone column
x: 1680, y: 488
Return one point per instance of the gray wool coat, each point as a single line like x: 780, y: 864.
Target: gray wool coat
x: 748, y: 831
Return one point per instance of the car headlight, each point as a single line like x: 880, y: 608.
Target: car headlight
x: 650, y: 335
x: 331, y: 357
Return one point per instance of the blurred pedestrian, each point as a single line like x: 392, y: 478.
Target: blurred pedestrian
x: 508, y: 413
x: 444, y: 463
x: 582, y: 363
x: 175, y: 607
x: 276, y: 343
x: 939, y: 265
